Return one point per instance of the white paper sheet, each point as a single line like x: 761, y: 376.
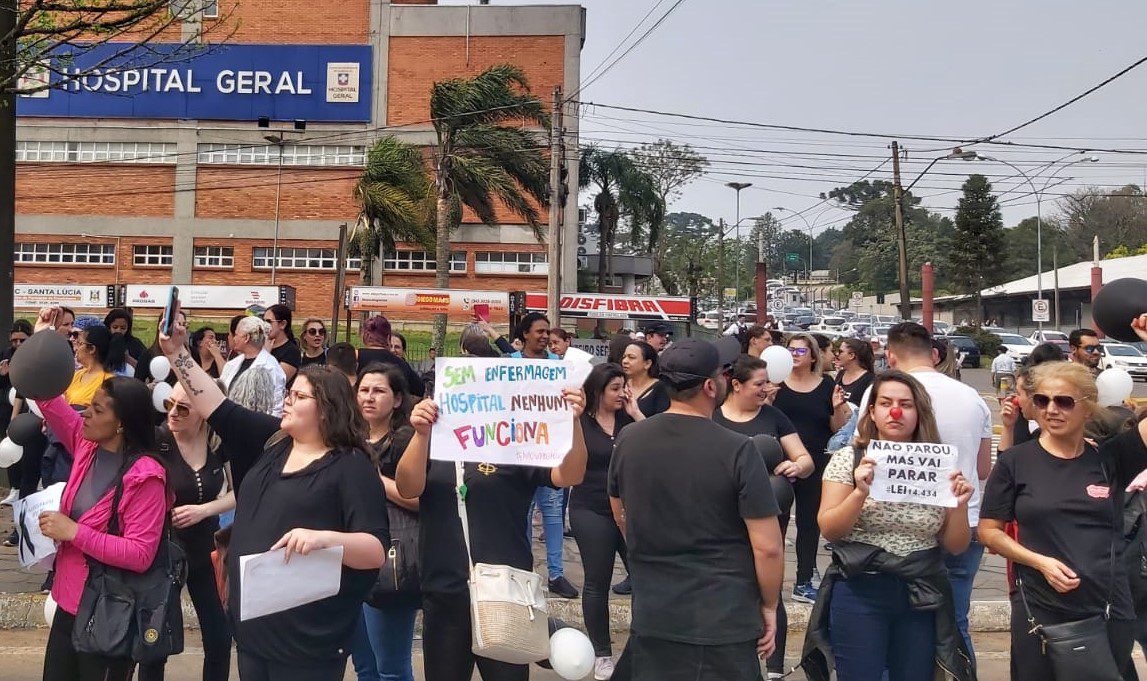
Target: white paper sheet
x: 915, y: 472
x: 37, y: 552
x: 268, y: 585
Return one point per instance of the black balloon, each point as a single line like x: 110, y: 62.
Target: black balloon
x: 24, y: 428
x: 770, y: 450
x: 43, y: 366
x: 783, y: 491
x: 1116, y: 304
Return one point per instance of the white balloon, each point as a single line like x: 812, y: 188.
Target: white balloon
x: 1115, y: 386
x: 160, y: 368
x: 159, y: 394
x: 34, y: 408
x: 780, y: 362
x: 10, y: 452
x: 49, y: 609
x: 571, y: 654
x: 12, y: 397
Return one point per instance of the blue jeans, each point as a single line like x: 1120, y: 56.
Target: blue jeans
x: 362, y: 656
x: 962, y: 569
x: 553, y: 524
x: 391, y: 633
x: 874, y: 629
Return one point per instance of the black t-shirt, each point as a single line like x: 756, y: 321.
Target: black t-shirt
x: 654, y: 400
x: 496, y: 502
x: 288, y: 353
x: 340, y: 492
x: 243, y: 366
x: 319, y: 359
x: 368, y: 356
x: 811, y: 414
x: 768, y: 421
x: 1021, y: 431
x: 688, y: 485
x: 1071, y: 510
x: 591, y: 494
x: 192, y: 487
x: 387, y: 451
x: 854, y: 392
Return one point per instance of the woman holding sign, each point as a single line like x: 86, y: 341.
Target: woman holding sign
x: 496, y: 498
x: 894, y: 609
x: 306, y: 485
x: 1066, y: 496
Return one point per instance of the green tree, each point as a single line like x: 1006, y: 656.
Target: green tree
x: 395, y: 203
x: 622, y: 190
x: 976, y: 257
x: 484, y: 155
x: 672, y: 166
x: 690, y: 253
x: 1118, y: 218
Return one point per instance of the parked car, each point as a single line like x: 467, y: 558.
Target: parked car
x: 803, y: 321
x: 967, y: 348
x: 1141, y: 346
x: 1123, y: 356
x: 1063, y: 346
x: 1047, y: 335
x: 941, y: 328
x: 708, y: 320
x: 1019, y: 348
x: 881, y: 331
x: 828, y: 324
x: 856, y: 330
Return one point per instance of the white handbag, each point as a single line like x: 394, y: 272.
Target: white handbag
x: 508, y: 608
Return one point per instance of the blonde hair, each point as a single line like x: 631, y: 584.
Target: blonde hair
x: 255, y: 329
x: 926, y: 429
x: 813, y: 350
x: 1069, y: 372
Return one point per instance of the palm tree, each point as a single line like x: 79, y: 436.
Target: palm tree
x: 395, y: 203
x: 485, y: 155
x: 622, y: 190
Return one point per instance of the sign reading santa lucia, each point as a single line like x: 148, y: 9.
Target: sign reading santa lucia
x: 916, y: 472
x: 504, y: 411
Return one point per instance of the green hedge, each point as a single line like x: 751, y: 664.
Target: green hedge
x: 987, y: 342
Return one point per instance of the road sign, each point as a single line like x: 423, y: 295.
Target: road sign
x: 730, y: 292
x: 776, y: 304
x: 792, y: 257
x: 858, y: 296
x: 1041, y: 311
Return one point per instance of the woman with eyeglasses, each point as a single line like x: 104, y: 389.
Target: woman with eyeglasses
x: 817, y: 408
x: 856, y: 364
x: 205, y: 348
x: 1066, y: 496
x: 639, y: 362
x: 197, y: 478
x: 312, y: 488
x: 283, y: 346
x: 314, y: 342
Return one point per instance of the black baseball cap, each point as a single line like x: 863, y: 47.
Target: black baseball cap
x: 659, y: 327
x: 688, y: 362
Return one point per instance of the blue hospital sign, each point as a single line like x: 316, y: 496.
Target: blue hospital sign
x: 222, y: 82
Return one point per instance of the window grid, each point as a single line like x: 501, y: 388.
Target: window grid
x: 94, y: 152
x: 293, y: 154
x: 152, y: 256
x: 210, y: 9
x: 63, y: 253
x: 499, y: 262
x: 302, y: 259
x: 214, y: 256
x: 420, y: 261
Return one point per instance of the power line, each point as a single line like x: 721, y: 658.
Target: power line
x: 617, y: 47
x: 631, y: 48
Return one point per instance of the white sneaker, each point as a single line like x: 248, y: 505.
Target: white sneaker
x: 603, y: 669
x: 13, y: 495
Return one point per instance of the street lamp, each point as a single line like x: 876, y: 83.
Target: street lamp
x: 280, y: 140
x: 737, y: 187
x: 1038, y: 193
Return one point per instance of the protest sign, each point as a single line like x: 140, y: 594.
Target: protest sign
x: 504, y: 411
x: 916, y: 472
x: 37, y: 552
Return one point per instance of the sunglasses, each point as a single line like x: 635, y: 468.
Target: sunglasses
x: 799, y: 352
x: 314, y: 331
x: 73, y: 335
x: 1089, y: 349
x: 180, y: 409
x: 1062, y: 402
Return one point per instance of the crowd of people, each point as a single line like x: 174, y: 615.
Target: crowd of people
x: 687, y: 463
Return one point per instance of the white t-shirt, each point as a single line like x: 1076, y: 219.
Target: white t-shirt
x: 963, y: 419
x: 1003, y: 364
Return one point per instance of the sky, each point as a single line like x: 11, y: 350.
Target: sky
x: 890, y: 68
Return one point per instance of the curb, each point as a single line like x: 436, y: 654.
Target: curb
x: 26, y: 611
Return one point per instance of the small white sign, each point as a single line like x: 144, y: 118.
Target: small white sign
x: 858, y: 296
x: 776, y: 304
x: 1041, y: 311
x: 36, y: 551
x: 915, y: 472
x: 342, y: 82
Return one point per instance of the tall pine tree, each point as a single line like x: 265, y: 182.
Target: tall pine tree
x: 977, y: 256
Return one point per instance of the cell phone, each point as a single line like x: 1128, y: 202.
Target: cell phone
x: 167, y: 322
x: 482, y: 312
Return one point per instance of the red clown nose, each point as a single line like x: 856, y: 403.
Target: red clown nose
x: 896, y: 413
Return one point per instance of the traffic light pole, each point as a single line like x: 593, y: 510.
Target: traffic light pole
x: 553, y: 237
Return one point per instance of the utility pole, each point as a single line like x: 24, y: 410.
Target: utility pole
x: 8, y: 11
x: 901, y: 235
x: 553, y: 290
x: 721, y: 275
x: 340, y: 281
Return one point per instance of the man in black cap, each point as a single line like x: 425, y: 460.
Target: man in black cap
x: 706, y: 556
x: 657, y: 334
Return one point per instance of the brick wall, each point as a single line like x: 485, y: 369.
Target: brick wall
x: 320, y: 22
x: 307, y: 193
x: 94, y: 189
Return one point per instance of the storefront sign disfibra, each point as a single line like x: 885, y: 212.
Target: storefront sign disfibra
x: 606, y: 306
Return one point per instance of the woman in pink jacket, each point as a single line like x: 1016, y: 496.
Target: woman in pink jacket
x: 113, y: 438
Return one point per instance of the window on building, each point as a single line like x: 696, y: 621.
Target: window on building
x: 420, y: 261
x: 214, y: 256
x: 42, y: 151
x: 152, y: 256
x: 71, y: 254
x: 302, y: 259
x: 293, y: 154
x: 210, y: 9
x: 497, y: 262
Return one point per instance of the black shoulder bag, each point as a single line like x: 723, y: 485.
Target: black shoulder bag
x: 124, y: 614
x: 399, y: 574
x: 1080, y: 649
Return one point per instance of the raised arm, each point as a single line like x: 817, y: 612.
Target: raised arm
x: 410, y: 477
x: 202, y: 391
x: 840, y: 504
x: 571, y: 471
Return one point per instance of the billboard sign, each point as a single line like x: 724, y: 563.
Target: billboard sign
x: 67, y: 295
x: 210, y: 297
x: 210, y: 82
x: 395, y: 301
x: 603, y: 306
